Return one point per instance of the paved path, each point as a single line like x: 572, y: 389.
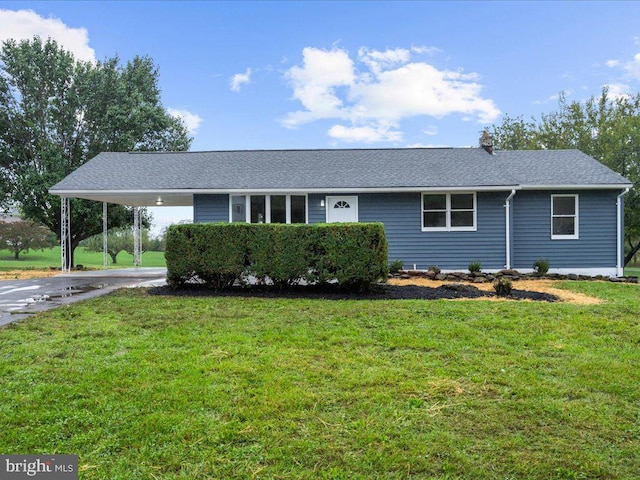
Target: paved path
x: 21, y: 298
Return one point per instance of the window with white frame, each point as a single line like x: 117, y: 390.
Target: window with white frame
x: 564, y: 217
x: 448, y: 212
x: 268, y: 208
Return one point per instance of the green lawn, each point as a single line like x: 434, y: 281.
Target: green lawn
x: 39, y: 259
x: 151, y: 387
x: 635, y: 271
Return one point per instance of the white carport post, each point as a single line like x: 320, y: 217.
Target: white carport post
x: 65, y: 233
x: 137, y: 238
x: 104, y: 235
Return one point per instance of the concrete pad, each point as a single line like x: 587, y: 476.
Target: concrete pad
x: 21, y: 298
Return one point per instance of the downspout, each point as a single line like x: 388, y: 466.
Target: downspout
x: 619, y: 251
x: 508, y: 228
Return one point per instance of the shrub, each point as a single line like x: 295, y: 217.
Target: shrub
x: 475, y: 266
x: 541, y: 266
x: 434, y: 268
x: 279, y: 253
x: 396, y: 266
x: 213, y: 253
x: 503, y: 287
x: 353, y: 255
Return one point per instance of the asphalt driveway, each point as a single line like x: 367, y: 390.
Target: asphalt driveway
x: 21, y: 298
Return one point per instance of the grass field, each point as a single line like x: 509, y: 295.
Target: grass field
x: 191, y: 388
x: 632, y: 271
x: 39, y: 259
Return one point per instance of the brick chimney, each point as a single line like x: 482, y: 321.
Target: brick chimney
x: 486, y: 142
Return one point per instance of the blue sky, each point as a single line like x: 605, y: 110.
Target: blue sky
x: 263, y: 75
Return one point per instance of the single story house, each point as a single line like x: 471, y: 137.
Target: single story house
x: 440, y: 206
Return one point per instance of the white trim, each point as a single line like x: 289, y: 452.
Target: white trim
x: 329, y: 190
x: 507, y: 206
x: 590, y: 271
x: 477, y: 188
x: 576, y: 216
x: 619, y: 246
x: 448, y: 227
x: 599, y: 186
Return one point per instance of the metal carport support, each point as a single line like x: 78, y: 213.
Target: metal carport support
x: 104, y: 235
x: 65, y: 233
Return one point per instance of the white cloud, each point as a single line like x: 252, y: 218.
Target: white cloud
x: 364, y: 134
x: 24, y: 24
x: 315, y: 83
x: 191, y: 120
x: 423, y: 49
x: 630, y: 68
x: 617, y: 90
x: 378, y: 61
x: 428, y: 145
x: 240, y: 79
x: 633, y: 67
x: 375, y: 98
x: 431, y: 131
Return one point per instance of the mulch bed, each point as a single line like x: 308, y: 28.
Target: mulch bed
x: 378, y: 292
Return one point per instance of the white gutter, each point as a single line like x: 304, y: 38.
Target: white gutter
x: 191, y: 191
x: 595, y: 186
x: 619, y: 250
x: 508, y: 227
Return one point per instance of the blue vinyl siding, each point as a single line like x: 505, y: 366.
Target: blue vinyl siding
x: 531, y: 229
x: 595, y: 247
x: 402, y: 217
x: 401, y: 214
x: 211, y: 208
x: 316, y: 213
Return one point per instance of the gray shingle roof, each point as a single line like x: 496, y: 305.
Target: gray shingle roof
x: 356, y: 169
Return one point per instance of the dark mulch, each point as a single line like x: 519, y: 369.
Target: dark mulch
x: 378, y: 292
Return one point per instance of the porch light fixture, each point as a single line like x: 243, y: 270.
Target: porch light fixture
x: 159, y: 201
x: 322, y: 203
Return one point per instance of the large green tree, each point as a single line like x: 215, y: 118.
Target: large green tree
x: 57, y: 112
x: 606, y: 128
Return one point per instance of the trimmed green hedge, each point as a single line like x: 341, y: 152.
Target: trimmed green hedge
x: 352, y: 254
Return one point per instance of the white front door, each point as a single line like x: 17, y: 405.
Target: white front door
x: 342, y: 209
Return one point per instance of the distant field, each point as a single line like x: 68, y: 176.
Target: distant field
x: 632, y: 271
x: 37, y: 259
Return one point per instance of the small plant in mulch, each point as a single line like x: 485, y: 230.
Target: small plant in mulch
x: 475, y: 266
x: 434, y: 268
x: 541, y: 266
x: 503, y: 287
x: 396, y: 266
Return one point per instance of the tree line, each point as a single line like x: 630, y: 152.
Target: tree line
x: 57, y: 112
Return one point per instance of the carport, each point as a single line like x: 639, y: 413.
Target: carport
x: 145, y: 184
